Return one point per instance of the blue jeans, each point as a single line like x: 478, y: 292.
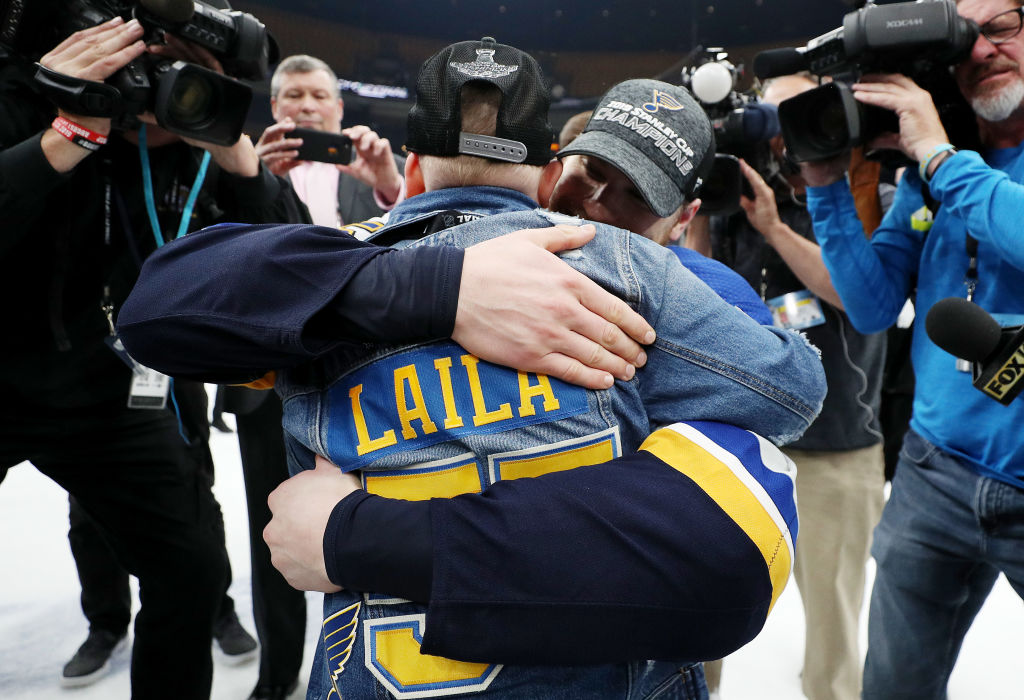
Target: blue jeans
x: 369, y: 651
x: 944, y: 536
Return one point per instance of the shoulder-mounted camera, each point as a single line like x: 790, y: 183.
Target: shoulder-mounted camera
x: 918, y: 39
x: 186, y: 98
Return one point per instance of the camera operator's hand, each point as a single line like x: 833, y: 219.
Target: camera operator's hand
x: 277, y: 152
x: 920, y: 127
x: 819, y: 173
x: 762, y: 212
x: 801, y: 255
x: 374, y: 164
x: 91, y: 54
x: 177, y: 49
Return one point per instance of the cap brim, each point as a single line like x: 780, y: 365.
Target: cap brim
x: 657, y: 188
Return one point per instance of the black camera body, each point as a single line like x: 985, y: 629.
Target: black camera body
x: 742, y: 126
x: 186, y: 98
x: 918, y: 39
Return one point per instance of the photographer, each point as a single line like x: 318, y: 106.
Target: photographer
x: 839, y: 458
x: 953, y: 520
x: 304, y: 93
x: 79, y: 221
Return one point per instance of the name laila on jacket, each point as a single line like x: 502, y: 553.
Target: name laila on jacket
x: 433, y: 394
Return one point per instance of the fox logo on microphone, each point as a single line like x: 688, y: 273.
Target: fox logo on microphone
x: 1003, y: 385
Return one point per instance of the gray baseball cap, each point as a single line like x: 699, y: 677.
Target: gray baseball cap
x: 657, y: 134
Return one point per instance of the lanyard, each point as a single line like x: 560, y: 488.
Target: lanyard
x: 147, y: 182
x: 971, y: 276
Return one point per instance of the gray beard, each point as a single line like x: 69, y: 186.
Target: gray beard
x: 999, y: 106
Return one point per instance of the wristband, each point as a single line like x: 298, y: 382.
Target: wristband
x: 78, y: 134
x: 922, y: 169
x: 938, y: 160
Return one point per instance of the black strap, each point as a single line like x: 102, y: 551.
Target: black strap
x: 423, y: 226
x: 971, y: 276
x: 929, y: 201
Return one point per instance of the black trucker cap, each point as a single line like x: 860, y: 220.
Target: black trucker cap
x: 657, y: 134
x: 524, y: 134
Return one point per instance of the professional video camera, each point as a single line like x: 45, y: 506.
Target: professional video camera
x: 187, y: 99
x: 742, y: 127
x: 917, y: 39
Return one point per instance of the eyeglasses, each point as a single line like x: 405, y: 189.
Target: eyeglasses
x: 1003, y: 26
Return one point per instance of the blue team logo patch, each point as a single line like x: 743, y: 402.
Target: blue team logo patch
x: 662, y: 100
x: 436, y: 393
x: 339, y: 632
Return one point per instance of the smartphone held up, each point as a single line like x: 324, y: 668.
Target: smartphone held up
x: 322, y: 146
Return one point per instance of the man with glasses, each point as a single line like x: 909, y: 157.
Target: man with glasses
x: 955, y: 518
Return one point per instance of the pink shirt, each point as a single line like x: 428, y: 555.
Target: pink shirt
x: 317, y: 186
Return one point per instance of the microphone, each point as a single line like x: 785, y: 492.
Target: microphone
x: 775, y: 62
x: 174, y: 11
x: 965, y: 330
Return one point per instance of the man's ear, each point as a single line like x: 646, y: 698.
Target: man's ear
x: 685, y: 217
x: 413, y: 176
x: 548, y: 179
x: 273, y: 108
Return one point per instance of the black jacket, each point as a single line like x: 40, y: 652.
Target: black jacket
x: 57, y: 255
x: 853, y: 361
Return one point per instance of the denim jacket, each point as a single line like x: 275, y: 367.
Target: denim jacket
x: 709, y: 362
x: 430, y: 420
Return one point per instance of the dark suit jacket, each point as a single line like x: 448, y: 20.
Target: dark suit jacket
x: 355, y: 199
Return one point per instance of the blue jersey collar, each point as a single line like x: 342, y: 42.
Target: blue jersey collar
x: 481, y: 200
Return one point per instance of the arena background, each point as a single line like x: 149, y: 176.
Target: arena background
x: 585, y: 47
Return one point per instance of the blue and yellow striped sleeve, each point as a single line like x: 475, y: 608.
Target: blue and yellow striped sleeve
x: 675, y: 552
x: 747, y: 477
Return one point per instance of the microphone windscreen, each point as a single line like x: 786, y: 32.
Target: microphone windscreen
x: 963, y: 329
x: 175, y: 11
x: 711, y: 83
x: 775, y: 62
x: 760, y: 121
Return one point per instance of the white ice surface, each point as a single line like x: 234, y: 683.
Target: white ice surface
x: 41, y: 623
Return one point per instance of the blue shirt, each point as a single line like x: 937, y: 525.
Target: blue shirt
x: 875, y: 277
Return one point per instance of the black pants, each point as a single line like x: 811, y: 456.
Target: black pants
x: 279, y: 609
x: 106, y: 597
x: 132, y: 473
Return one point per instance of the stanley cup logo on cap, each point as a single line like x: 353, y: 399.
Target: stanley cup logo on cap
x: 662, y: 100
x: 484, y: 66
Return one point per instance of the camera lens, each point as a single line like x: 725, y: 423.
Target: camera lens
x: 828, y: 128
x: 197, y: 102
x: 192, y: 100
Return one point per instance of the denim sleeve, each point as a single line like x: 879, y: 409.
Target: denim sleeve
x: 713, y: 362
x: 873, y: 278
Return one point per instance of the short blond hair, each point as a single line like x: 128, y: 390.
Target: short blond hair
x: 480, y: 103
